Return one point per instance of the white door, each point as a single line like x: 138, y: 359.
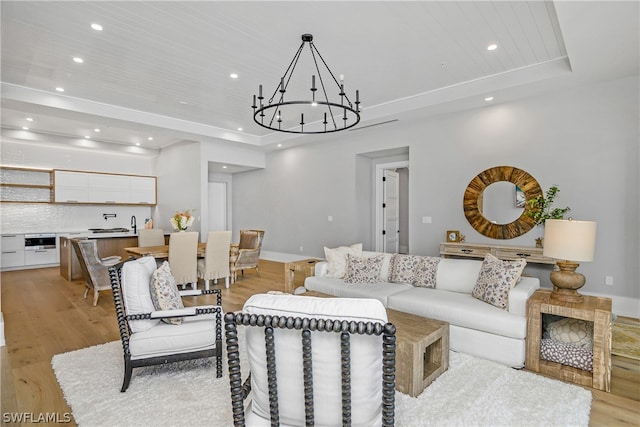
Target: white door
x: 217, y: 206
x: 390, y: 211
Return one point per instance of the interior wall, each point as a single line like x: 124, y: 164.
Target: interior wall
x: 584, y: 139
x: 180, y: 184
x: 223, y: 152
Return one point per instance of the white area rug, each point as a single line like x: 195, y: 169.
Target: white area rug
x: 473, y: 392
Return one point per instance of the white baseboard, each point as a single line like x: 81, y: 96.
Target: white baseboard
x: 622, y: 306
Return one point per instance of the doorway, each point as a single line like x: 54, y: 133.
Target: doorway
x: 391, y: 206
x: 217, y: 206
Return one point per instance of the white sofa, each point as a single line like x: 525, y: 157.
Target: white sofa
x: 476, y: 327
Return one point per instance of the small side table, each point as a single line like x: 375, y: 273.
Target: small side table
x: 592, y: 309
x: 306, y: 267
x: 422, y: 351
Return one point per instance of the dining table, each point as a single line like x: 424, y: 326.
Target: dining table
x: 163, y: 250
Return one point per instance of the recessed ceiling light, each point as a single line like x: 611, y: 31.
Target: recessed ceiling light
x: 150, y: 138
x: 279, y: 145
x: 489, y: 98
x: 96, y: 27
x: 25, y: 128
x: 60, y: 89
x: 492, y: 47
x: 29, y: 119
x: 184, y: 102
x: 239, y: 129
x: 87, y: 137
x: 224, y: 167
x: 96, y: 130
x: 138, y: 144
x: 78, y: 59
x: 233, y: 75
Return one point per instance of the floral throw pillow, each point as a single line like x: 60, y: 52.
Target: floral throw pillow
x: 164, y: 292
x: 496, y: 279
x: 337, y: 259
x: 363, y: 269
x: 426, y: 272
x: 403, y: 268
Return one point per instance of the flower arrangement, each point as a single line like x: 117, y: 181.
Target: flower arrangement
x: 182, y: 220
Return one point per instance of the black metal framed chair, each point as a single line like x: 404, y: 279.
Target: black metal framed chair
x: 312, y: 361
x: 146, y: 339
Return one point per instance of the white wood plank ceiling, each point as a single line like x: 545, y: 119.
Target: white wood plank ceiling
x: 161, y: 69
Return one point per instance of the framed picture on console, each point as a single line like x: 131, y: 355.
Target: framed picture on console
x: 453, y: 236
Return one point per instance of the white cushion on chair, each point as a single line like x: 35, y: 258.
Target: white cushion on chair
x: 135, y: 279
x: 366, y: 361
x: 195, y: 333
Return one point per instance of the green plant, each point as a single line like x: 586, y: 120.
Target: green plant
x: 540, y: 209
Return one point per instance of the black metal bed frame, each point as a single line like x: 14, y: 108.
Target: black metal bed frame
x: 115, y: 273
x: 240, y: 391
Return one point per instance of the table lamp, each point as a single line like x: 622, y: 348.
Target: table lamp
x: 568, y: 241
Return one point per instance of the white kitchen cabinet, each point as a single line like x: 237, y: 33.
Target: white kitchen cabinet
x: 12, y: 250
x: 110, y: 189
x: 143, y: 190
x: 70, y: 187
x: 41, y: 256
x: 103, y: 188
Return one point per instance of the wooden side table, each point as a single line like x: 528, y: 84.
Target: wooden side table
x: 592, y: 309
x: 422, y: 351
x: 306, y: 267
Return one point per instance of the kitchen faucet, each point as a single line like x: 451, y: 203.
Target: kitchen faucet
x: 133, y: 223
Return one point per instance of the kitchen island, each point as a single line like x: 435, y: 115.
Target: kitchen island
x: 109, y: 244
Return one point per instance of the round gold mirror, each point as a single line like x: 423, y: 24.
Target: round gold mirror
x: 525, y: 188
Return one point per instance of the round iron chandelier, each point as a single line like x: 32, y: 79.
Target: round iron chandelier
x: 311, y: 116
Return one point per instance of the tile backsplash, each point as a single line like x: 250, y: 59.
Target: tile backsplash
x: 49, y: 217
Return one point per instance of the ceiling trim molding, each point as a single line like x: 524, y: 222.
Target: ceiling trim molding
x: 64, y: 102
x: 18, y: 136
x: 472, y: 88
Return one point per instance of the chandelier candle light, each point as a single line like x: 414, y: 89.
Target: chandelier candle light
x: 320, y: 115
x: 182, y: 220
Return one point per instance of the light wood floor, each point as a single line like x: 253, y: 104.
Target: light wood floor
x: 45, y: 315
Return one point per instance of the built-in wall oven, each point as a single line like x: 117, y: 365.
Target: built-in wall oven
x: 40, y: 248
x: 35, y: 242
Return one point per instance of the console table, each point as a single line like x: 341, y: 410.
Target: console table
x: 472, y: 250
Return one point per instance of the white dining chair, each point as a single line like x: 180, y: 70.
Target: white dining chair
x: 183, y: 257
x: 215, y: 264
x: 151, y: 237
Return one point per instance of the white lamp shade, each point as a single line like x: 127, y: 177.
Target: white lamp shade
x: 569, y: 240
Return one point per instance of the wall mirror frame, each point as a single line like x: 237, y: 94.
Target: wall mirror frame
x: 473, y: 197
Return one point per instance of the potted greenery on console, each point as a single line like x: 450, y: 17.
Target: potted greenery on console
x: 540, y: 209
